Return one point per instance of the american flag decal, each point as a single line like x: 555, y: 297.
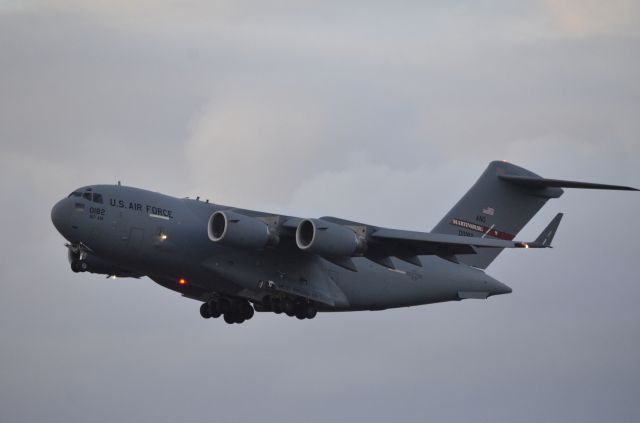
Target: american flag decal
x: 489, y: 210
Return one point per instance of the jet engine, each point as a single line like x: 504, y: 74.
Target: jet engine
x: 237, y: 230
x: 328, y: 239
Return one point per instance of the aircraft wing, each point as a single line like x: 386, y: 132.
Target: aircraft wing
x: 426, y: 243
x: 338, y: 240
x: 407, y: 245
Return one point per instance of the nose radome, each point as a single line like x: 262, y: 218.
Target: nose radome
x: 58, y: 215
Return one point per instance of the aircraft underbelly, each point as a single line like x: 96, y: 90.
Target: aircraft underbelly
x: 268, y: 273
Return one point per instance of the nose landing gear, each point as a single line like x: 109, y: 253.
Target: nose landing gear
x: 79, y: 266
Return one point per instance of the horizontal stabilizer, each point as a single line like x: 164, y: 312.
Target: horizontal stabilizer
x: 546, y: 236
x: 537, y: 182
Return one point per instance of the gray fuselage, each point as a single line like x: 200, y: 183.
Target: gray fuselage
x: 140, y: 232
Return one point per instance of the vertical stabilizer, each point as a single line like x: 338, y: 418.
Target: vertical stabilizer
x: 495, y: 208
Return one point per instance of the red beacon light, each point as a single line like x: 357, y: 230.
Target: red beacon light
x: 182, y: 281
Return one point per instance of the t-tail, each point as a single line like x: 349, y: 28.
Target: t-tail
x: 501, y: 203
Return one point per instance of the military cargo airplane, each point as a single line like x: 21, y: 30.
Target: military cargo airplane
x: 238, y: 261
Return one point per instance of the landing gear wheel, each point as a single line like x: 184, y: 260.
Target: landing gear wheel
x: 300, y: 314
x: 229, y: 318
x: 247, y: 311
x: 204, y: 311
x: 224, y: 305
x: 267, y: 302
x: 289, y: 307
x: 236, y: 314
x: 78, y: 266
x: 310, y: 311
x: 214, y: 310
x: 276, y: 306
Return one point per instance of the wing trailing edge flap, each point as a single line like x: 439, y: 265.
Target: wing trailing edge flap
x: 344, y: 262
x: 399, y: 243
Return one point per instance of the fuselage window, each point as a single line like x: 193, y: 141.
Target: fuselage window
x: 97, y: 198
x: 79, y: 207
x: 87, y: 196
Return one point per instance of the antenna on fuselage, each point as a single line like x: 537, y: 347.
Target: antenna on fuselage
x: 119, y: 183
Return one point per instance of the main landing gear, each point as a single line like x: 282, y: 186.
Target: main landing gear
x: 233, y: 311
x: 300, y: 308
x: 237, y: 311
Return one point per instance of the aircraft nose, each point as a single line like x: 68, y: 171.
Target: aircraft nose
x: 58, y: 215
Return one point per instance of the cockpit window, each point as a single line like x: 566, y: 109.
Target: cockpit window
x: 88, y: 195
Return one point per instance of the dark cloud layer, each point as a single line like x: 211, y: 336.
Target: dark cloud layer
x: 364, y: 110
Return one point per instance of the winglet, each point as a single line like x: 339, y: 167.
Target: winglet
x: 546, y: 236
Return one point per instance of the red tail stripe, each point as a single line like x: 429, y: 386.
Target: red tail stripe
x: 492, y: 232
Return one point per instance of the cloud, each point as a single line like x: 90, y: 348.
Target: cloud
x: 584, y: 18
x: 255, y: 144
x: 372, y: 111
x: 249, y: 146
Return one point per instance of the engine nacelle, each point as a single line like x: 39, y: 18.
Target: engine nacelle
x: 328, y: 239
x: 237, y: 230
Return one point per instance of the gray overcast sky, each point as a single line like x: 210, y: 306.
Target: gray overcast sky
x: 377, y: 111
